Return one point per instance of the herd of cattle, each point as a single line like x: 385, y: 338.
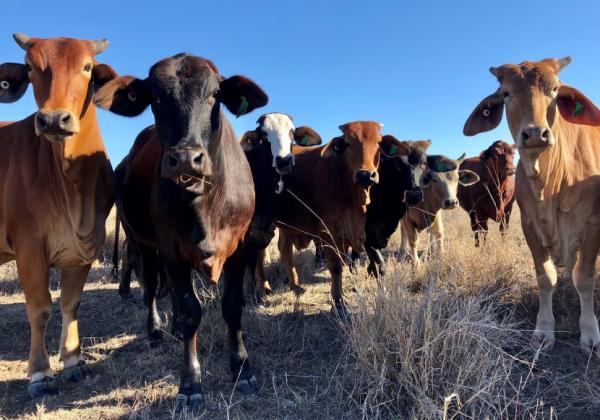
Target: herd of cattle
x: 190, y: 196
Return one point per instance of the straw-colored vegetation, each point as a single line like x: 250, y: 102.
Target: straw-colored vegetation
x: 449, y: 340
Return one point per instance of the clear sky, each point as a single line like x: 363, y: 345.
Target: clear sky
x: 418, y: 67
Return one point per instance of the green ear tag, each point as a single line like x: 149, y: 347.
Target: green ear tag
x: 243, y: 108
x: 393, y: 149
x: 578, y: 109
x: 304, y: 140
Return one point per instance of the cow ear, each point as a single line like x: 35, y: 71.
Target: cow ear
x: 439, y: 163
x: 576, y: 108
x: 486, y: 116
x: 249, y: 140
x: 102, y: 74
x: 241, y: 95
x: 392, y: 147
x: 466, y: 177
x: 423, y: 144
x: 306, y: 136
x: 13, y: 82
x: 125, y: 96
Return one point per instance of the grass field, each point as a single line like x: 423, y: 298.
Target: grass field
x: 449, y: 340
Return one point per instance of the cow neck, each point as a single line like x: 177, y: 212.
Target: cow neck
x: 79, y: 163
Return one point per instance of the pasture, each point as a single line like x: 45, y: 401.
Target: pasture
x: 449, y: 340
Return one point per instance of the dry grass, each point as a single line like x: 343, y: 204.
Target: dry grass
x: 449, y: 340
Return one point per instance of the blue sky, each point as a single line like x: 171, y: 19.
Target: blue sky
x: 418, y: 67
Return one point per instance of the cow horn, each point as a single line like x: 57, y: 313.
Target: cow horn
x: 22, y: 40
x: 461, y: 158
x: 99, y: 46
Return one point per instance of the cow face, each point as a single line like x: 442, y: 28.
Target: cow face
x: 359, y: 148
x: 408, y: 160
x: 535, y: 101
x: 273, y: 139
x: 64, y: 74
x: 442, y: 178
x: 185, y: 93
x: 499, y: 160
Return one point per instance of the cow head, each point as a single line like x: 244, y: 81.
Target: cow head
x: 499, y: 160
x: 185, y: 93
x: 408, y: 161
x: 64, y: 75
x: 358, y: 147
x: 273, y: 139
x: 442, y: 178
x: 535, y: 101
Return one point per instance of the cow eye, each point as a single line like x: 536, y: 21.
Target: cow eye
x: 505, y: 94
x: 87, y: 68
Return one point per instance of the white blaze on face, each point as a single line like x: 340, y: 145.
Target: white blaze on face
x: 279, y: 129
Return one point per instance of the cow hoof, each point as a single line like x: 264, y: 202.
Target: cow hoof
x: 154, y: 338
x: 192, y: 403
x: 590, y: 347
x: 177, y: 330
x: 75, y: 373
x: 125, y: 294
x: 298, y: 290
x: 247, y: 386
x: 46, y: 386
x: 341, y: 311
x: 542, y: 342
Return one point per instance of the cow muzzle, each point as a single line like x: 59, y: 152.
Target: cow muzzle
x: 450, y: 203
x: 413, y: 197
x: 187, y: 166
x: 56, y: 125
x: 284, y: 165
x: 536, y: 136
x: 366, y: 178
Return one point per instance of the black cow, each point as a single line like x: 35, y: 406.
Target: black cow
x: 187, y: 194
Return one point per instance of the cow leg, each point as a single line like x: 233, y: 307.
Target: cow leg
x: 264, y: 286
x: 335, y: 267
x: 163, y: 284
x: 411, y: 238
x: 33, y: 271
x: 504, y: 222
x: 479, y: 227
x: 71, y: 287
x: 190, y: 311
x: 126, y: 271
x: 286, y: 251
x: 436, y: 235
x: 232, y: 306
x: 376, y: 267
x: 584, y: 276
x: 319, y: 253
x: 149, y: 272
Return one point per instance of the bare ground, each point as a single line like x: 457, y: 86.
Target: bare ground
x: 449, y: 340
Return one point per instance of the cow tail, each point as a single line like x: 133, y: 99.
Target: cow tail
x: 115, y: 256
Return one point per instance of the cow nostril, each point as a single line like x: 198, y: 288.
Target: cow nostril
x: 171, y: 161
x: 524, y: 136
x: 546, y: 135
x: 198, y: 159
x: 65, y: 119
x: 373, y: 176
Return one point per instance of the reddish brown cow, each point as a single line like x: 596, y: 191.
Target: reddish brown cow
x: 326, y: 196
x: 56, y: 188
x: 492, y: 197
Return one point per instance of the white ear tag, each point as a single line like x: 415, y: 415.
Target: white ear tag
x: 279, y: 189
x: 4, y: 84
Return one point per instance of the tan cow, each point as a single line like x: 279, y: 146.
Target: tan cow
x: 440, y: 184
x: 557, y: 181
x: 56, y: 188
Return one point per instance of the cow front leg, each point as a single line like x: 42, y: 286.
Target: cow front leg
x: 126, y: 270
x: 436, y: 235
x: 584, y: 275
x: 335, y: 267
x: 232, y: 307
x: 71, y: 287
x: 149, y: 274
x: 410, y: 241
x: 286, y: 252
x: 33, y: 272
x: 264, y: 287
x: 190, y: 315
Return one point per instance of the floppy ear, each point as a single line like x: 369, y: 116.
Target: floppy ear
x: 249, y: 140
x: 125, y: 96
x: 336, y: 147
x: 306, y: 136
x: 466, y: 177
x: 439, y: 163
x: 13, y: 82
x: 393, y: 147
x: 486, y: 116
x: 102, y: 74
x: 241, y: 95
x: 576, y: 108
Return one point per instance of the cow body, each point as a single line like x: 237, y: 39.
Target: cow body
x: 440, y: 182
x: 56, y: 189
x: 493, y: 197
x: 557, y: 181
x: 185, y: 193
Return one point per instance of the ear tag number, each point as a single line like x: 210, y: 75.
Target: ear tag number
x: 579, y: 108
x: 243, y: 108
x: 4, y: 84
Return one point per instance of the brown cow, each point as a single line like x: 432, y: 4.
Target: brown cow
x: 440, y: 183
x: 326, y: 196
x: 56, y: 188
x: 557, y: 181
x: 493, y: 197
